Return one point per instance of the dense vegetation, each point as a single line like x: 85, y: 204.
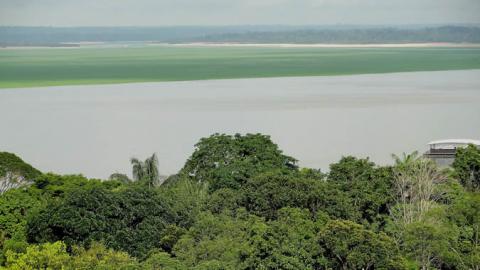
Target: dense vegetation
x: 11, y: 163
x: 14, y: 172
x: 240, y: 203
x: 55, y: 36
x: 43, y: 67
x: 453, y: 34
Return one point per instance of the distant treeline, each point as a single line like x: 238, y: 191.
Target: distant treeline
x: 450, y: 34
x: 54, y: 36
x: 45, y: 36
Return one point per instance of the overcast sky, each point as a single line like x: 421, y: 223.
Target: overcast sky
x: 235, y: 12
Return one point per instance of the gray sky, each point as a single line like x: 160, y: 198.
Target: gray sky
x: 235, y: 12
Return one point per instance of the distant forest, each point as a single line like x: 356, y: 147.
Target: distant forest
x: 61, y: 36
x: 450, y: 34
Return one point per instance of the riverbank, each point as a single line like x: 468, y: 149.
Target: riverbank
x: 80, y: 45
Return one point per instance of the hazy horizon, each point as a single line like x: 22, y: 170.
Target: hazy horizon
x: 296, y: 26
x: 131, y: 13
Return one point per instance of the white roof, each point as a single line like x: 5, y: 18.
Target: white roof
x: 456, y: 141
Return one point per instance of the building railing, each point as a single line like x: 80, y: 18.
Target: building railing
x: 442, y: 151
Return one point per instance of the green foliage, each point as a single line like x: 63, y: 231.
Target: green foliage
x: 219, y: 240
x: 265, y: 194
x: 46, y: 256
x: 186, y: 198
x: 100, y: 257
x: 14, y: 207
x: 17, y: 204
x: 224, y: 200
x: 162, y: 261
x: 430, y: 243
x: 131, y: 220
x: 286, y: 243
x: 347, y: 245
x: 465, y: 213
x: 239, y: 203
x: 312, y: 174
x: 467, y: 167
x: 123, y: 178
x: 55, y: 256
x: 369, y: 188
x: 11, y: 163
x: 57, y: 186
x: 229, y: 161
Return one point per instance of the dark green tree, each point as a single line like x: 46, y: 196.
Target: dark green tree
x: 265, y: 194
x: 11, y: 163
x: 123, y: 178
x: 14, y: 172
x: 131, y: 220
x: 370, y: 188
x: 467, y: 167
x: 286, y: 243
x: 465, y: 213
x: 347, y: 245
x: 431, y: 244
x: 229, y: 161
x: 216, y: 240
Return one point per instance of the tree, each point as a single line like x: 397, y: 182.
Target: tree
x: 55, y: 256
x: 347, y: 245
x: 101, y: 258
x: 162, y: 261
x: 265, y: 194
x: 186, y: 199
x: 123, y: 178
x: 229, y: 161
x: 467, y: 167
x: 11, y: 163
x: 224, y: 200
x: 131, y: 220
x: 46, y: 256
x: 15, y: 205
x: 138, y: 170
x: 57, y: 186
x: 430, y: 243
x: 369, y: 188
x: 14, y: 172
x: 262, y: 213
x: 415, y: 183
x: 406, y: 160
x: 213, y: 239
x: 286, y: 243
x: 146, y: 171
x: 465, y: 213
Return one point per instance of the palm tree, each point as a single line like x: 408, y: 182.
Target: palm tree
x: 406, y: 159
x: 146, y: 170
x: 151, y: 170
x: 137, y: 169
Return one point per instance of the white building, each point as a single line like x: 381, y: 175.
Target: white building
x: 443, y: 151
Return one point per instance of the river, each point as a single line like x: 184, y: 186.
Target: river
x: 96, y: 129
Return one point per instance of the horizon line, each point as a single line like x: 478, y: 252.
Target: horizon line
x: 250, y: 25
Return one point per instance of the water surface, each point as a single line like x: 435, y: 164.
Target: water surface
x: 95, y: 130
